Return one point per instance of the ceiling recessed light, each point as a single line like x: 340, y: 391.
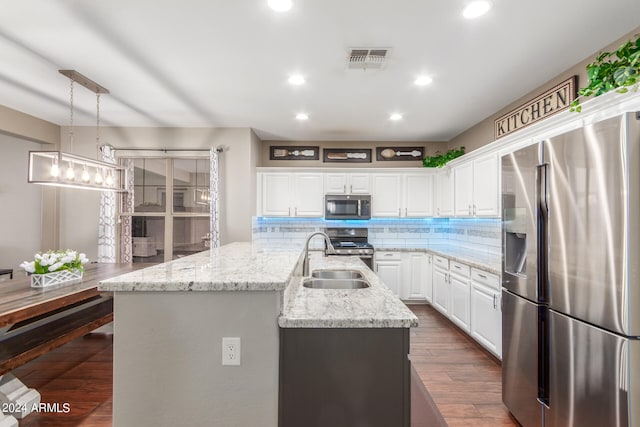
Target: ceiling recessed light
x: 395, y: 116
x: 476, y: 8
x: 296, y: 79
x: 302, y: 116
x: 280, y: 5
x: 422, y: 80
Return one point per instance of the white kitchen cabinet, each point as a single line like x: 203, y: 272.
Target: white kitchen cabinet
x: 386, y: 195
x: 347, y: 183
x: 406, y: 195
x: 276, y: 194
x: 476, y: 187
x: 444, y: 193
x: 388, y: 266
x: 292, y: 194
x: 418, y: 195
x: 417, y: 280
x: 441, y: 292
x: 486, y: 316
x: 459, y: 282
x: 308, y: 195
x: 486, y: 186
x: 463, y: 189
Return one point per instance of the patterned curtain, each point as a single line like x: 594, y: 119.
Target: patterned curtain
x: 215, y: 198
x: 107, y: 216
x: 126, y: 248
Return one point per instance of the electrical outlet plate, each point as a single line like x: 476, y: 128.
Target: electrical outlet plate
x: 231, y: 351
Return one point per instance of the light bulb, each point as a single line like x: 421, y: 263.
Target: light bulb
x: 55, y: 170
x: 280, y: 5
x: 98, y: 178
x: 85, y: 175
x: 109, y: 180
x: 71, y: 173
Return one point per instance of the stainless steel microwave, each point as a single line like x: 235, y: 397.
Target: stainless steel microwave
x: 347, y: 206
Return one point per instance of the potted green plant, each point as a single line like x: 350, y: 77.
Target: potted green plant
x: 619, y: 71
x: 439, y: 160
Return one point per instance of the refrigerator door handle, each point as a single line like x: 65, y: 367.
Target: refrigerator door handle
x: 543, y: 221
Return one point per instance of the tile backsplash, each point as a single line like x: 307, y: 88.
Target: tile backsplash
x: 483, y: 235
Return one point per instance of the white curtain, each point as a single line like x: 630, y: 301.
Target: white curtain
x: 107, y: 216
x: 215, y: 198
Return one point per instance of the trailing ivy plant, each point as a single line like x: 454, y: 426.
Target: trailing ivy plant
x: 439, y: 160
x: 619, y: 70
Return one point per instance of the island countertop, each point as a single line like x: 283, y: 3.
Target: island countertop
x: 234, y: 267
x: 373, y: 307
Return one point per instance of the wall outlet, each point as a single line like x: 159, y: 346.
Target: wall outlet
x: 231, y: 351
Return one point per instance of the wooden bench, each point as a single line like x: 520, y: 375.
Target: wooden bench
x: 35, y: 321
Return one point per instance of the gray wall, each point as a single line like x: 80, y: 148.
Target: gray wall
x: 482, y: 133
x: 167, y: 364
x: 20, y: 204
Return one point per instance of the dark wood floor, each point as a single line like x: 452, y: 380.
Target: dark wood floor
x: 464, y: 381
x: 460, y: 377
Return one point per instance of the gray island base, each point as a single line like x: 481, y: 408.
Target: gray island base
x: 169, y: 321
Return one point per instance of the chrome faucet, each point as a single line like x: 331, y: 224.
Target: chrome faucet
x: 329, y: 250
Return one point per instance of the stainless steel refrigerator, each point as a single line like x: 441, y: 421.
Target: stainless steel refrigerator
x: 571, y: 278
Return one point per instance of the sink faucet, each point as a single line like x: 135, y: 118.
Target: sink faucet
x: 329, y: 250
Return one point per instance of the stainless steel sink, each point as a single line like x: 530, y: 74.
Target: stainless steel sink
x: 337, y: 274
x: 316, y: 283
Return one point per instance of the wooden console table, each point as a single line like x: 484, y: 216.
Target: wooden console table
x: 35, y: 321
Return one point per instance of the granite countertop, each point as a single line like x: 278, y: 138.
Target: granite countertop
x: 480, y: 260
x: 234, y: 267
x: 373, y: 307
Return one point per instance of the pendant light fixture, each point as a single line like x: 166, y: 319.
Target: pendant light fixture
x: 61, y: 169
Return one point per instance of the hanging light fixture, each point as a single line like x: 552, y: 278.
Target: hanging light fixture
x: 62, y: 169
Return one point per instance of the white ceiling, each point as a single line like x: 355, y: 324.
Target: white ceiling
x: 208, y: 63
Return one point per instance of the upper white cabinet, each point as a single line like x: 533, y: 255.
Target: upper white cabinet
x: 386, y: 195
x: 347, y: 183
x: 418, y: 195
x: 444, y: 193
x: 292, y: 194
x: 401, y: 195
x: 276, y: 194
x: 476, y: 187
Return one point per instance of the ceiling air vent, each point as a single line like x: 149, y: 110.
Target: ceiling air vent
x: 367, y: 58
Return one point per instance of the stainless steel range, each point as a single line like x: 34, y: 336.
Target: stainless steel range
x: 352, y: 242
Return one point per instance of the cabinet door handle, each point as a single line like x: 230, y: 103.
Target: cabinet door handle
x: 406, y: 211
x: 289, y: 210
x: 344, y: 188
x: 494, y: 302
x: 469, y: 209
x: 438, y: 211
x: 457, y: 266
x: 388, y: 254
x: 295, y: 211
x: 351, y: 188
x: 399, y: 212
x: 474, y: 210
x: 482, y: 275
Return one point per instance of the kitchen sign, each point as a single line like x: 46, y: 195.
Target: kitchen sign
x: 554, y: 100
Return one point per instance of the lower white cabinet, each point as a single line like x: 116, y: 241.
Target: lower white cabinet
x: 459, y: 287
x: 486, y: 316
x: 441, y: 289
x: 389, y: 269
x: 417, y: 278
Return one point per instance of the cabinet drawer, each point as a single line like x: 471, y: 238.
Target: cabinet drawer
x: 459, y: 268
x: 488, y: 279
x: 441, y: 262
x: 387, y: 256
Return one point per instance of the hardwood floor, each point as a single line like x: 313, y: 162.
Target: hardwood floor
x: 462, y: 379
x: 78, y: 373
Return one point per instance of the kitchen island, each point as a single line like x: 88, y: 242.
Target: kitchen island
x: 170, y: 320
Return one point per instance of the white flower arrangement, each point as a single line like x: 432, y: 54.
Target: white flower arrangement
x: 51, y: 261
